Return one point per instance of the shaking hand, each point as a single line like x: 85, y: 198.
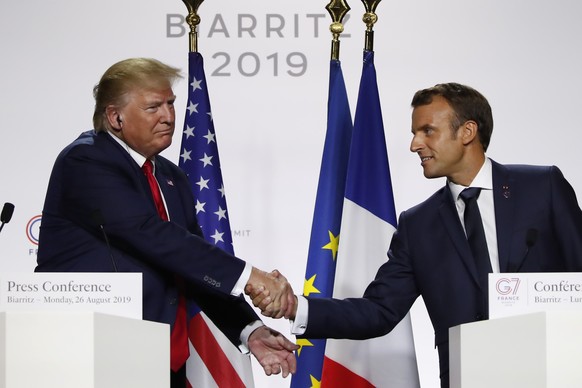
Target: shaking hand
x: 271, y: 293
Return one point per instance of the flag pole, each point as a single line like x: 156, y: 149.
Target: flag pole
x: 370, y: 18
x: 214, y: 359
x: 337, y: 10
x: 193, y: 21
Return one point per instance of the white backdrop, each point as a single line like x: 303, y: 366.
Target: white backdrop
x: 521, y: 54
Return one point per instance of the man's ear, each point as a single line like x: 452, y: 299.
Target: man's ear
x: 114, y: 118
x: 470, y: 132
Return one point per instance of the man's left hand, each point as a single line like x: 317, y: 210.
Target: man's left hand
x: 273, y: 351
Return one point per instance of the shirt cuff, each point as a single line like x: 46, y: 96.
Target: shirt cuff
x: 246, y: 333
x: 242, y: 281
x: 299, y: 325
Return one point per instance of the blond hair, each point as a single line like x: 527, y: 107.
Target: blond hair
x: 125, y: 76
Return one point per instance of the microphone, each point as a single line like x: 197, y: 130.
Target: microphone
x: 98, y: 218
x: 531, y: 237
x: 6, y: 215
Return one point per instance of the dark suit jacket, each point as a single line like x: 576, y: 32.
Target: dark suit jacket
x: 95, y: 181
x: 429, y: 255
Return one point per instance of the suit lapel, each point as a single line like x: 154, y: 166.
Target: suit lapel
x: 129, y: 163
x: 504, y: 202
x: 163, y: 175
x: 452, y: 224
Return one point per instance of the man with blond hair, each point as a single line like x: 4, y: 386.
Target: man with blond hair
x: 114, y: 204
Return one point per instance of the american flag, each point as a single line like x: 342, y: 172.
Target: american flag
x: 214, y: 361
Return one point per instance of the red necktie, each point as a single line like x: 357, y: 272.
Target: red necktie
x: 179, y: 338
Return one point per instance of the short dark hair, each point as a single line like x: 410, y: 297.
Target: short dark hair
x: 467, y: 103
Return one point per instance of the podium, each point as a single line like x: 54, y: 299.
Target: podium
x: 537, y: 350
x: 82, y: 350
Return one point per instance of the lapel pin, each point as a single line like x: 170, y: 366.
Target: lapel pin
x: 506, y: 192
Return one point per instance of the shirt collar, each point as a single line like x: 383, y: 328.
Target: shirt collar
x: 483, y: 179
x: 136, y: 156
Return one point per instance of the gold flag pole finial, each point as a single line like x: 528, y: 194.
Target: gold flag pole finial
x: 193, y: 21
x: 337, y: 9
x: 370, y: 18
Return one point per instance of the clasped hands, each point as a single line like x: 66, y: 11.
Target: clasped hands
x: 272, y: 294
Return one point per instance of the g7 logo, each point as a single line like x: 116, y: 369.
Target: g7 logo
x: 505, y: 286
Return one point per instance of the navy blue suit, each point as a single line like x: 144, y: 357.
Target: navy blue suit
x: 429, y: 255
x: 95, y: 181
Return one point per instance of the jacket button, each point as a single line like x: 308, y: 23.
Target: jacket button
x: 173, y: 301
x: 479, y: 317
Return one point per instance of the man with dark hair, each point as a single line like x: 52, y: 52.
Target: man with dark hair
x: 112, y: 182
x: 466, y: 104
x: 529, y: 221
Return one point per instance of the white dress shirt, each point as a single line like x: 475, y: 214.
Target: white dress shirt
x: 484, y: 180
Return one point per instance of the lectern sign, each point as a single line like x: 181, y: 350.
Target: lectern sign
x: 105, y: 292
x: 521, y: 293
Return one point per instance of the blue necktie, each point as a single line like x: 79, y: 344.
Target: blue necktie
x: 476, y: 238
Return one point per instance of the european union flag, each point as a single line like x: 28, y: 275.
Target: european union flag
x: 325, y: 230
x: 369, y: 220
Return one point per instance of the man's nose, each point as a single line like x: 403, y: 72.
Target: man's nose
x: 168, y: 114
x: 415, y: 144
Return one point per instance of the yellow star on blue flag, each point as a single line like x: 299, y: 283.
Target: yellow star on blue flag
x: 333, y: 244
x: 327, y: 215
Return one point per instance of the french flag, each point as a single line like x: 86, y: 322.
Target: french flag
x: 368, y: 222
